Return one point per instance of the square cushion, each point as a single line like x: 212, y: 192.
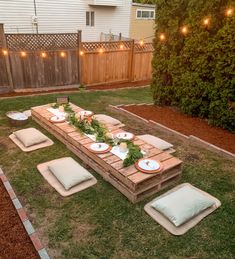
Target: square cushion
x: 68, y: 172
x: 155, y: 141
x: 29, y: 137
x: 182, y: 205
x: 107, y: 119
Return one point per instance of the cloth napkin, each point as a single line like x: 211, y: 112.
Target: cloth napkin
x: 56, y: 112
x: 116, y: 151
x: 92, y: 137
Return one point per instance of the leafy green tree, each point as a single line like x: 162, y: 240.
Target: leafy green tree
x: 196, y: 70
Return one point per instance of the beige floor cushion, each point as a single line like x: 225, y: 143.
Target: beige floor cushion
x: 68, y: 172
x: 107, y: 119
x: 156, y: 142
x: 56, y: 184
x: 176, y: 210
x: 44, y: 144
x: 30, y: 136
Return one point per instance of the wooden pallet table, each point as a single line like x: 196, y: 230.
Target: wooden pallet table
x: 134, y: 184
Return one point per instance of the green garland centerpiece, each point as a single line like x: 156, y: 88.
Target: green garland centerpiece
x: 89, y: 125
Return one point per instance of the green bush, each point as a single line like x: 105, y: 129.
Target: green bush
x: 196, y: 71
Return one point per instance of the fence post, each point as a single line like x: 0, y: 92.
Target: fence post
x: 131, y: 64
x: 79, y: 45
x: 7, y: 59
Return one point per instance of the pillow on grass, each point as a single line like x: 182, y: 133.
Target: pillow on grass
x: 155, y: 141
x: 29, y: 137
x: 68, y: 172
x: 107, y: 119
x: 182, y: 205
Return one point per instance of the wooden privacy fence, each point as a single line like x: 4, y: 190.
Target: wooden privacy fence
x: 48, y: 60
x: 116, y: 61
x: 38, y: 60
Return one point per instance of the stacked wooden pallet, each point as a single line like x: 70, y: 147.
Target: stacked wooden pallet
x: 134, y: 184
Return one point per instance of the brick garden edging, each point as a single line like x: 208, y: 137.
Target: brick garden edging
x: 191, y: 139
x: 24, y: 219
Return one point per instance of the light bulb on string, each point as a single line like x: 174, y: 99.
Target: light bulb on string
x: 43, y: 55
x: 229, y: 12
x: 23, y: 54
x: 4, y: 52
x: 121, y: 46
x: 81, y: 53
x: 101, y: 50
x: 206, y: 22
x: 141, y: 42
x: 62, y: 54
x: 184, y: 30
x: 162, y: 37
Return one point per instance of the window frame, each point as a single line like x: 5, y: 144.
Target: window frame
x: 90, y: 18
x: 145, y: 18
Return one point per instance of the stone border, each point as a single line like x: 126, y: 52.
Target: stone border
x: 24, y: 219
x: 192, y: 140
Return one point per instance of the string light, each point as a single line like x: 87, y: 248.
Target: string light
x: 43, y: 55
x: 206, y: 21
x: 121, y: 46
x: 62, y: 54
x: 23, y: 54
x: 81, y: 53
x: 229, y: 12
x: 101, y: 50
x: 184, y: 30
x: 141, y: 43
x: 4, y: 52
x: 162, y: 37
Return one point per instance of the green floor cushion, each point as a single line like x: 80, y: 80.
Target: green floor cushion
x: 182, y: 205
x: 69, y: 173
x: 29, y: 137
x: 155, y: 141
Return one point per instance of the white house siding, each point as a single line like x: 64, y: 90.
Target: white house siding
x: 57, y: 16
x: 17, y: 15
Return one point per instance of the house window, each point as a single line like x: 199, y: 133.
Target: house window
x: 145, y: 14
x: 90, y: 18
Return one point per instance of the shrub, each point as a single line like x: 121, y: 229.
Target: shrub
x: 196, y: 72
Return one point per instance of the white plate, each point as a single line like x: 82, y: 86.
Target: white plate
x: 99, y: 147
x: 148, y: 164
x: 125, y: 135
x: 57, y: 119
x: 85, y: 113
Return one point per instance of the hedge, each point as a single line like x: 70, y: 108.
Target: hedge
x: 196, y: 71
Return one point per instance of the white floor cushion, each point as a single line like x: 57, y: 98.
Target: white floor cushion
x: 107, y: 119
x: 68, y: 172
x: 156, y: 142
x: 182, y: 205
x: 29, y: 137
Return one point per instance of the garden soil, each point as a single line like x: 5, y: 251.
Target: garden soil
x: 14, y: 241
x: 185, y: 124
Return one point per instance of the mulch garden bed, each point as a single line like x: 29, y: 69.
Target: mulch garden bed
x: 14, y: 240
x: 93, y: 87
x: 185, y: 124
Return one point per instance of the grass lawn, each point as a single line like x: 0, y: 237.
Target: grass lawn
x: 100, y: 222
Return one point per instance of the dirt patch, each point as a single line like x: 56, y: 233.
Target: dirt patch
x: 93, y: 87
x: 14, y: 241
x: 185, y: 124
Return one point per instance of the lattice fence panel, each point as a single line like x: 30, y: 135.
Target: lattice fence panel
x: 16, y: 42
x: 144, y: 47
x: 106, y: 46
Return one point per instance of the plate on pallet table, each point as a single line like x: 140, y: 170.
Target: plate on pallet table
x: 125, y: 135
x: 148, y: 166
x: 57, y: 119
x: 86, y: 113
x: 99, y: 148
